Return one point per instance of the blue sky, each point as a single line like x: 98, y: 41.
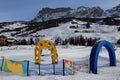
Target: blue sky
x: 16, y: 10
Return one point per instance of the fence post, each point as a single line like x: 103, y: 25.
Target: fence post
x: 2, y: 62
x: 63, y: 68
x: 54, y: 69
x: 39, y: 68
x: 88, y: 65
x: 27, y: 68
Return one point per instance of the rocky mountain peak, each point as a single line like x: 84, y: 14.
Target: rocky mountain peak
x: 49, y: 11
x: 114, y: 12
x: 96, y: 12
x: 80, y: 12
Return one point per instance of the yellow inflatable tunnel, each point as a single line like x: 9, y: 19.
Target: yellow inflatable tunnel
x: 45, y: 44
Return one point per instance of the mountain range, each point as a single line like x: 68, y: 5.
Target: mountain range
x: 80, y: 12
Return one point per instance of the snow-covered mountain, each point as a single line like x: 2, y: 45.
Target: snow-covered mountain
x: 49, y: 13
x: 80, y: 12
x: 114, y: 12
x: 86, y: 12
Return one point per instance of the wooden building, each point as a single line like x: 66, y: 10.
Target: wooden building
x: 4, y: 41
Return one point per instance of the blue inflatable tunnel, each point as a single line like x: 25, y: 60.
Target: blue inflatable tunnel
x: 95, y: 53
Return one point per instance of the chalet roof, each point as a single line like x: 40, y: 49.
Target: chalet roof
x: 10, y: 39
x: 2, y: 36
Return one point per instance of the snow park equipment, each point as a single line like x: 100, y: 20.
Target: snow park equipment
x: 88, y: 65
x: 95, y: 52
x: 68, y: 67
x: 45, y: 44
x: 21, y: 67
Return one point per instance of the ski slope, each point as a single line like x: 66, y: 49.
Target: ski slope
x: 104, y: 32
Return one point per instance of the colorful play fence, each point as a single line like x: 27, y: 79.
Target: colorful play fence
x: 68, y: 67
x: 20, y: 67
x: 64, y: 67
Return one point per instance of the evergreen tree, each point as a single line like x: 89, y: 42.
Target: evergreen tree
x: 118, y: 42
x: 118, y: 28
x: 89, y: 41
x: 58, y: 40
x: 71, y: 41
x: 31, y: 41
x: 24, y: 42
x: 75, y: 40
x: 82, y: 40
x: 88, y: 25
x: 64, y: 42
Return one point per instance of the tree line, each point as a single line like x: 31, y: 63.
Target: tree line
x: 78, y: 40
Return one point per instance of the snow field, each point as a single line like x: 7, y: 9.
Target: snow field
x: 78, y: 54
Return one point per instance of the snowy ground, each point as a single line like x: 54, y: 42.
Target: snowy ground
x: 78, y: 54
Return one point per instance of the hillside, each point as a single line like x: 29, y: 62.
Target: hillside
x: 62, y: 30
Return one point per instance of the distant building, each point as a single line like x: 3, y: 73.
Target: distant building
x: 12, y: 41
x: 74, y: 24
x: 4, y: 41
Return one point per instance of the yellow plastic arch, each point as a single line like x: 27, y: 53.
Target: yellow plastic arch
x: 45, y: 44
